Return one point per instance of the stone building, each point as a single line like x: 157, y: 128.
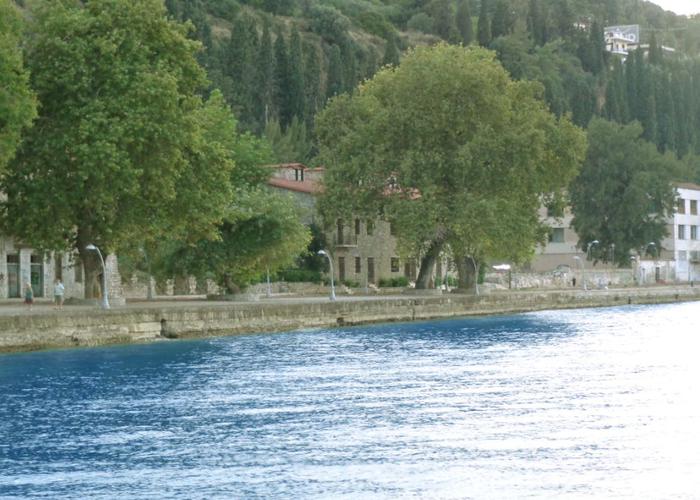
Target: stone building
x: 363, y: 250
x: 20, y: 264
x: 677, y: 259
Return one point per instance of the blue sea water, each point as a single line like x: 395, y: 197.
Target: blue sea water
x: 595, y: 403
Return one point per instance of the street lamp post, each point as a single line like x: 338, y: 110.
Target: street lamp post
x: 588, y: 256
x: 654, y: 256
x: 330, y: 263
x: 105, y: 299
x: 612, y: 261
x: 269, y: 287
x: 583, y: 274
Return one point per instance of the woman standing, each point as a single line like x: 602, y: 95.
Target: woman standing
x: 28, y: 295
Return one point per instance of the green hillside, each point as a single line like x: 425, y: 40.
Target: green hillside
x: 278, y: 62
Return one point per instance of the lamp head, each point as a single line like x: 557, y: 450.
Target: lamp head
x: 90, y: 247
x: 322, y: 252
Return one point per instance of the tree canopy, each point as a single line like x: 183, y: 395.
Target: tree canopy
x: 123, y: 148
x: 17, y: 101
x: 623, y: 194
x: 452, y: 151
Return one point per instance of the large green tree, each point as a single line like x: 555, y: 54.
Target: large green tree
x: 623, y: 194
x: 123, y: 149
x: 452, y: 151
x: 17, y: 102
x: 261, y: 230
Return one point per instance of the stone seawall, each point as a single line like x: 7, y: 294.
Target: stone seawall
x: 136, y: 323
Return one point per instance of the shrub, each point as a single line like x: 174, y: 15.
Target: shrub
x: 421, y: 22
x: 329, y: 23
x: 376, y: 24
x: 300, y: 275
x: 400, y: 281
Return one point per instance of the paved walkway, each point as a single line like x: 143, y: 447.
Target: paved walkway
x: 44, y: 306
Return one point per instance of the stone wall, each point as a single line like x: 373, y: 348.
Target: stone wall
x: 132, y: 324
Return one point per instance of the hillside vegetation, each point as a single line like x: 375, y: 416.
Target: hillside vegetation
x: 279, y: 61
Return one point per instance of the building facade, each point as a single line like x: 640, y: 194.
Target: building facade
x: 21, y: 264
x: 364, y: 251
x: 682, y: 245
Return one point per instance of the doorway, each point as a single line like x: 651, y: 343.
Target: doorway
x: 37, y: 275
x: 13, y: 284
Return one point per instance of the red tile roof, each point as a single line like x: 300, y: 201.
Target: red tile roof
x: 306, y: 186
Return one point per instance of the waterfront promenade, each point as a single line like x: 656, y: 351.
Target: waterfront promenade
x: 44, y: 327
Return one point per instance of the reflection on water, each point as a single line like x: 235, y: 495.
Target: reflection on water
x: 585, y: 403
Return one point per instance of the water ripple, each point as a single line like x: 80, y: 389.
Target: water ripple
x: 584, y: 403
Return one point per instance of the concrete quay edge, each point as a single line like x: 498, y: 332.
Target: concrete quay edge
x: 146, y: 322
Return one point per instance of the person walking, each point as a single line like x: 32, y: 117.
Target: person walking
x: 58, y: 292
x: 28, y: 295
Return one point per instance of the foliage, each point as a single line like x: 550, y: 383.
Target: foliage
x: 329, y: 23
x: 300, y: 276
x: 17, y: 101
x: 421, y: 22
x: 122, y: 148
x: 623, y: 194
x: 400, y: 281
x: 289, y: 146
x: 449, y: 149
x: 261, y: 230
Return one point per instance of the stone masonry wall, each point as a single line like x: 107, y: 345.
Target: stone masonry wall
x: 30, y: 332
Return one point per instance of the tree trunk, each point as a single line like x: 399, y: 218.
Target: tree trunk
x: 467, y: 273
x: 231, y: 287
x: 427, y: 264
x: 92, y: 267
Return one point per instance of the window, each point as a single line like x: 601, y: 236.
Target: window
x: 681, y: 231
x: 392, y: 229
x: 394, y: 264
x: 358, y: 265
x: 693, y: 207
x: 681, y: 206
x: 341, y: 269
x: 682, y: 255
x: 357, y: 226
x: 556, y: 235
x: 693, y: 232
x: 370, y: 227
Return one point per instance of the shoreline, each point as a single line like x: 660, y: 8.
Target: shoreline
x: 143, y: 322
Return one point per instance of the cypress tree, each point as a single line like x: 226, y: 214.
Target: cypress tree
x: 281, y: 87
x: 335, y: 84
x: 349, y: 64
x: 391, y: 53
x: 537, y: 22
x: 483, y: 27
x: 564, y: 19
x: 655, y: 53
x: 297, y: 98
x: 665, y: 113
x: 682, y: 95
x: 241, y: 59
x: 444, y: 18
x: 265, y: 78
x: 312, y: 83
x: 596, y: 49
x: 501, y: 24
x: 463, y: 21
